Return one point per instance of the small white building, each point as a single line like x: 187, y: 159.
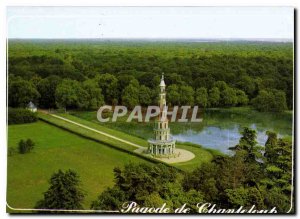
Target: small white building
x: 31, y: 107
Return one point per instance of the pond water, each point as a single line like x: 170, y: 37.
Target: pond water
x: 219, y: 138
x: 220, y: 128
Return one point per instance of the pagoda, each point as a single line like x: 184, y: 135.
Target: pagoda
x: 163, y: 143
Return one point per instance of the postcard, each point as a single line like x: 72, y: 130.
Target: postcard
x: 150, y: 110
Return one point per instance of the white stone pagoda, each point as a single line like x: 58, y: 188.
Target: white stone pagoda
x: 163, y: 143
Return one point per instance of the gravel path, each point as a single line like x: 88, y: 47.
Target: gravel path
x: 95, y: 130
x: 184, y: 155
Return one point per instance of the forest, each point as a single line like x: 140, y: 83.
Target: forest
x: 248, y: 178
x: 85, y: 74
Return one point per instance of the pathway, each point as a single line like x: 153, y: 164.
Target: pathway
x: 185, y: 155
x: 95, y: 130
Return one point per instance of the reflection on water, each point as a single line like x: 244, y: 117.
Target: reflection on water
x: 221, y: 128
x: 218, y: 138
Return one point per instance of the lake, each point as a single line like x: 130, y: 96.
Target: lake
x: 220, y: 128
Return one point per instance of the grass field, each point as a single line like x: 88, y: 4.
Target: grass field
x: 96, y: 125
x: 55, y: 149
x: 201, y: 154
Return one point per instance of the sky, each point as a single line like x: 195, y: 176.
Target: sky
x: 151, y: 22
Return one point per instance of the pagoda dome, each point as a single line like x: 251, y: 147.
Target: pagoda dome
x: 162, y: 81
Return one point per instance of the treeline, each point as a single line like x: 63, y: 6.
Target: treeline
x: 85, y: 74
x: 253, y: 176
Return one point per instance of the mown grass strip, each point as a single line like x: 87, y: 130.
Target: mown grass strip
x: 100, y: 127
x: 74, y: 129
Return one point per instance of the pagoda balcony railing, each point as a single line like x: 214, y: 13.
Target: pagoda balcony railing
x: 161, y: 129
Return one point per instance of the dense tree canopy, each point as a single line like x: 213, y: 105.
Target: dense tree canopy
x: 47, y: 87
x: 148, y: 185
x: 21, y: 92
x: 245, y: 179
x: 130, y: 96
x: 234, y: 74
x: 69, y: 94
x: 270, y: 100
x: 95, y: 98
x: 201, y: 97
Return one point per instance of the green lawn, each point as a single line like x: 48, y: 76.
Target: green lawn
x: 55, y: 149
x: 86, y: 132
x: 201, y: 154
x: 28, y: 174
x: 96, y: 125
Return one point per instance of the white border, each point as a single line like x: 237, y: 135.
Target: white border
x: 5, y: 3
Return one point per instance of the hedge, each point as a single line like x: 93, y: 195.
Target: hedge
x: 20, y: 116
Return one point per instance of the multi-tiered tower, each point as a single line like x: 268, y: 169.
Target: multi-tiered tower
x: 163, y: 143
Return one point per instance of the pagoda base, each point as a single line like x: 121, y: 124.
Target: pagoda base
x: 161, y: 148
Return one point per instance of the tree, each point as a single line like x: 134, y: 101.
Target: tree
x: 111, y: 199
x: 222, y: 85
x: 242, y: 98
x: 275, y: 197
x: 109, y: 86
x: 270, y: 144
x: 173, y: 95
x: 174, y: 78
x: 247, y: 84
x: 22, y: 147
x: 21, y: 92
x: 201, y: 97
x: 130, y: 96
x: 248, y: 143
x: 214, y: 97
x: 30, y: 144
x: 123, y: 81
x: 186, y: 94
x: 270, y: 101
x: 144, y: 95
x: 203, y: 179
x: 69, y: 93
x: 264, y: 101
x: 64, y: 192
x: 25, y: 146
x: 227, y: 94
x: 279, y: 101
x: 228, y: 97
x: 278, y: 164
x: 47, y: 88
x: 237, y: 197
x: 154, y: 200
x: 141, y: 183
x: 255, y: 198
x: 35, y: 80
x: 149, y: 79
x: 95, y: 98
x: 206, y: 81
